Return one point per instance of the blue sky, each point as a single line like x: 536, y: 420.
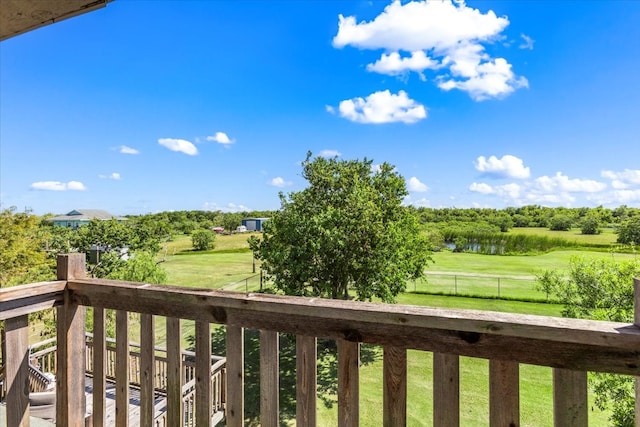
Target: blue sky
x: 150, y: 106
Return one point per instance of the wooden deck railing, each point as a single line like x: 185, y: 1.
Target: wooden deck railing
x: 570, y: 346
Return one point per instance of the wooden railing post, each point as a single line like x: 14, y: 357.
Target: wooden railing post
x: 269, y: 379
x: 504, y: 393
x: 17, y: 371
x: 203, y: 373
x: 570, y: 407
x: 394, y: 367
x: 306, y: 380
x: 348, y: 383
x: 122, y: 368
x: 174, y: 372
x: 235, y: 376
x: 446, y: 390
x: 70, y: 397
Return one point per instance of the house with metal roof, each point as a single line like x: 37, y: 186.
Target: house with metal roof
x: 79, y: 217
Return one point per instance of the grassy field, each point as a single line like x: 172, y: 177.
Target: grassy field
x: 607, y: 237
x: 231, y: 262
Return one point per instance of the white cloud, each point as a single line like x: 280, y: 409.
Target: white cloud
x: 229, y: 207
x: 382, y: 107
x: 527, y: 42
x: 440, y: 35
x: 416, y: 186
x: 621, y: 180
x: 221, y: 138
x: 58, y: 186
x: 127, y: 150
x: 563, y: 183
x: 510, y: 191
x: 179, y: 145
x: 481, y: 188
x: 329, y: 109
x: 280, y: 182
x: 422, y: 202
x: 506, y: 167
x: 330, y: 153
x: 115, y: 176
x: 392, y: 64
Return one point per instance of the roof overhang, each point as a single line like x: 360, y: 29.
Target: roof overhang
x: 20, y: 16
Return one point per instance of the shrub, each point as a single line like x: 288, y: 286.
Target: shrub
x: 629, y: 231
x: 560, y: 223
x: 202, y: 240
x: 590, y: 225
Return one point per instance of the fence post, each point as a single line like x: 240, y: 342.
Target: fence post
x: 498, y: 287
x: 455, y: 278
x: 70, y: 397
x: 636, y: 321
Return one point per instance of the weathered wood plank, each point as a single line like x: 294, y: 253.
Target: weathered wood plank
x: 269, y: 379
x: 26, y: 299
x: 70, y: 399
x: 174, y: 372
x: 394, y: 380
x: 570, y: 407
x: 99, y: 366
x: 591, y: 345
x: 504, y: 393
x: 235, y: 376
x: 122, y: 368
x: 306, y: 380
x: 17, y: 371
x: 147, y: 369
x: 446, y: 390
x: 348, y: 383
x: 203, y: 373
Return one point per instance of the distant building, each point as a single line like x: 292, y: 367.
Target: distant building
x: 79, y: 217
x: 254, y: 224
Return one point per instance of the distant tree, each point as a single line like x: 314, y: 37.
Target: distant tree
x: 22, y: 255
x: 560, y: 223
x: 203, y: 240
x: 231, y: 221
x: 629, y: 231
x: 501, y: 220
x: 590, y: 225
x: 600, y: 289
x: 346, y: 231
x: 106, y: 234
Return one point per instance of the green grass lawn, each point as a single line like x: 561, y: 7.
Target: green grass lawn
x: 607, y: 237
x: 221, y: 267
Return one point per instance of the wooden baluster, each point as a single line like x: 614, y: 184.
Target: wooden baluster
x: 446, y: 390
x: 147, y: 371
x: 122, y: 368
x: 235, y: 376
x: 99, y: 366
x: 203, y: 373
x: 17, y: 370
x: 269, y: 379
x: 70, y: 377
x: 174, y: 372
x: 395, y: 386
x: 569, y: 398
x: 306, y: 380
x: 348, y: 383
x: 504, y: 393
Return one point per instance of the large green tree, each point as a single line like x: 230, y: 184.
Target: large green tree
x: 600, y: 289
x: 629, y: 231
x: 347, y: 231
x: 22, y: 255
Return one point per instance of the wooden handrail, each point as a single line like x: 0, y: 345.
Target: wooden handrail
x: 570, y: 346
x: 540, y: 340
